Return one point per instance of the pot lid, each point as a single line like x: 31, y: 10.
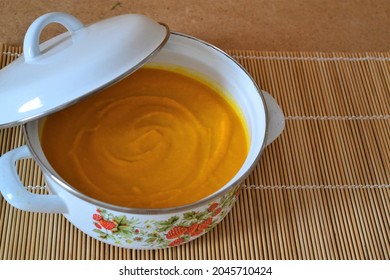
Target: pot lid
x: 81, y: 61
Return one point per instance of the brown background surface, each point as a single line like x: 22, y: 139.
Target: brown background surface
x: 278, y: 25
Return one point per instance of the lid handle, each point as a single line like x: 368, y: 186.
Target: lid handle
x: 31, y: 40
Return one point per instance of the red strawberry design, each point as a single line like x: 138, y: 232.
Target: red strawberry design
x: 213, y: 206
x: 205, y: 224
x: 216, y: 211
x: 96, y: 217
x: 192, y: 228
x: 98, y: 225
x: 108, y: 225
x: 196, y: 233
x: 176, y: 242
x: 175, y: 232
x: 136, y: 231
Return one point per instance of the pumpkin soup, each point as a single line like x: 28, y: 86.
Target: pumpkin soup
x: 156, y: 139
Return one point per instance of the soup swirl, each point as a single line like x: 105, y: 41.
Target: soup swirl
x: 157, y: 139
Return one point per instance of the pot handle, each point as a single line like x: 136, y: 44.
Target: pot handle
x: 31, y: 39
x: 276, y: 120
x: 14, y: 192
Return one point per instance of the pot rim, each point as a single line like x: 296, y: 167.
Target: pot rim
x: 49, y: 171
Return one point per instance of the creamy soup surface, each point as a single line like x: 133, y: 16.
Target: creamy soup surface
x: 157, y: 139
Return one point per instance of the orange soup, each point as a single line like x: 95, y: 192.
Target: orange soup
x: 156, y: 139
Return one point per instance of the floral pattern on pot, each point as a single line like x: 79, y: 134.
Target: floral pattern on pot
x: 178, y: 229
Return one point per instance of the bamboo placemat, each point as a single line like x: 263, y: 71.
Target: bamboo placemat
x: 320, y: 191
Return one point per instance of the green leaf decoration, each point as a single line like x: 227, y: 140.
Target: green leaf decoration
x: 151, y: 240
x: 133, y: 222
x: 98, y: 231
x: 202, y: 215
x: 125, y: 228
x: 126, y: 234
x: 227, y: 200
x: 173, y: 220
x: 187, y: 223
x: 162, y: 226
x: 120, y: 219
x: 189, y: 215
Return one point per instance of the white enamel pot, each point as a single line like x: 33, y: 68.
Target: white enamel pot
x: 153, y: 228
